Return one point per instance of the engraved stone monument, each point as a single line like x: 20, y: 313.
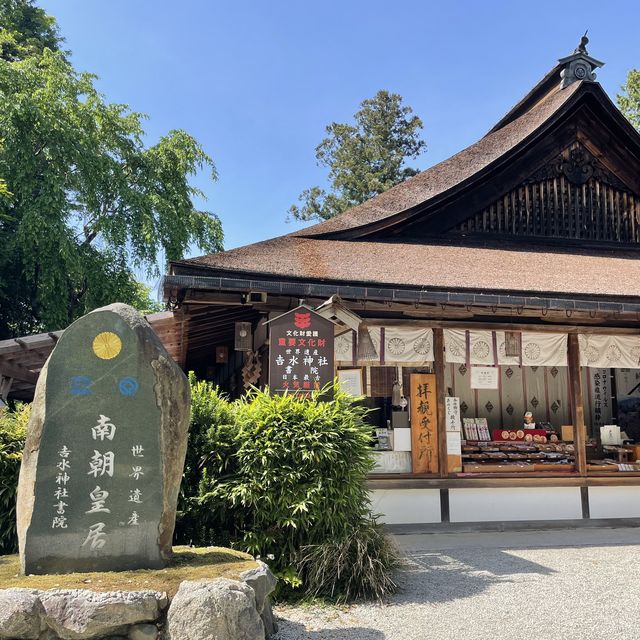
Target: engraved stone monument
x: 105, y: 449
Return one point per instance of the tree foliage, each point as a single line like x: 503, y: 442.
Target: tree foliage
x: 13, y: 429
x: 26, y: 30
x: 281, y: 477
x: 365, y: 158
x: 629, y: 99
x: 89, y: 200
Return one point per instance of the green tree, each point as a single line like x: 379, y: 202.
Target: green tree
x: 629, y: 99
x: 89, y: 201
x: 365, y: 158
x: 26, y: 30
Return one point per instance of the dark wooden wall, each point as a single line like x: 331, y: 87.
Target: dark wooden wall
x: 574, y: 197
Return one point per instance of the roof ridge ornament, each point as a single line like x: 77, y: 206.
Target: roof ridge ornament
x: 579, y: 65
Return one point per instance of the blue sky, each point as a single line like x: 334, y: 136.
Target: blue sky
x: 257, y: 82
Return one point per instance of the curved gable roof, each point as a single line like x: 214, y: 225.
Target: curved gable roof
x: 451, y: 172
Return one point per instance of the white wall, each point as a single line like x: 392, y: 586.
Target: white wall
x: 518, y: 503
x: 407, y: 506
x: 614, y: 502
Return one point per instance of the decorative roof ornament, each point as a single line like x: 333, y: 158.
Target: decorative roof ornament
x: 579, y: 65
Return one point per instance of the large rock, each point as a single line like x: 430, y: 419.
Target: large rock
x: 218, y: 609
x: 143, y: 632
x: 263, y: 582
x: 76, y: 614
x: 20, y: 611
x: 105, y: 449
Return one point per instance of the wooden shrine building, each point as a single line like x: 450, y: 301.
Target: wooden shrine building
x: 518, y: 254
x: 500, y: 282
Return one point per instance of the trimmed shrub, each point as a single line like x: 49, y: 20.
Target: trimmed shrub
x: 211, y: 446
x: 13, y: 429
x: 284, y: 478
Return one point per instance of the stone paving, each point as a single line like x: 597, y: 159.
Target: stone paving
x: 546, y: 585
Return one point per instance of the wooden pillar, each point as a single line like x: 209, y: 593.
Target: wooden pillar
x: 438, y: 365
x: 577, y: 405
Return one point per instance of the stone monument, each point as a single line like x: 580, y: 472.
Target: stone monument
x: 105, y: 450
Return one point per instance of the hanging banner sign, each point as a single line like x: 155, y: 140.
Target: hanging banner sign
x: 484, y: 377
x: 300, y: 352
x: 424, y: 423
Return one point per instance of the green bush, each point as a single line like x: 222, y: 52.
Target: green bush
x: 278, y: 475
x: 211, y: 446
x: 13, y: 428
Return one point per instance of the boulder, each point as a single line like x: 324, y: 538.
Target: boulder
x: 79, y: 614
x: 206, y: 609
x: 143, y: 632
x: 263, y: 582
x: 105, y: 449
x: 20, y: 611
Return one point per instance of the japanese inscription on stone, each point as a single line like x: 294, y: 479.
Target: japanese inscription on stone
x: 97, y: 499
x: 300, y: 352
x: 424, y: 423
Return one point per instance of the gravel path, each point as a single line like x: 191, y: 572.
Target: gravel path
x: 555, y: 585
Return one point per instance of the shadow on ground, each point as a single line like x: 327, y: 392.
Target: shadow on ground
x: 294, y: 630
x: 442, y: 576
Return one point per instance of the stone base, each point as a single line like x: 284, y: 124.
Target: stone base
x: 200, y: 610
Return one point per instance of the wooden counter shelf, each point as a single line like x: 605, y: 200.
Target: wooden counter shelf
x: 495, y: 480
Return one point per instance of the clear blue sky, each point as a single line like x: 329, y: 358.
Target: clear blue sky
x: 256, y: 82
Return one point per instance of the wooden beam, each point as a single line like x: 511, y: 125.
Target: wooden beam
x: 27, y: 343
x: 5, y: 387
x: 17, y: 372
x: 184, y: 341
x: 439, y: 364
x: 577, y: 405
x: 504, y: 326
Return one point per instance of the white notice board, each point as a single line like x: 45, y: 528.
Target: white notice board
x: 484, y: 377
x: 351, y: 381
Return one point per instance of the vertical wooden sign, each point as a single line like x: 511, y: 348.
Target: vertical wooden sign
x: 424, y: 423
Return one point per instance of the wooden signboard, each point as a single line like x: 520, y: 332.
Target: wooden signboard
x: 300, y: 352
x: 424, y: 423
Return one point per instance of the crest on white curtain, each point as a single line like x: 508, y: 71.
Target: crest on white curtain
x: 481, y: 349
x: 406, y: 344
x: 455, y: 346
x: 609, y: 352
x: 343, y: 346
x: 538, y: 350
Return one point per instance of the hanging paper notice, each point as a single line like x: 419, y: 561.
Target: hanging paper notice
x: 454, y: 444
x: 351, y: 381
x: 484, y: 377
x: 452, y: 413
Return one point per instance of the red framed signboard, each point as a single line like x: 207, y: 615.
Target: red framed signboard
x: 300, y: 351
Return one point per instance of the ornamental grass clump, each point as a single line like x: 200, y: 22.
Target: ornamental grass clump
x: 357, y: 566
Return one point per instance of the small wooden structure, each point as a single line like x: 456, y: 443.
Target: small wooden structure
x: 21, y: 359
